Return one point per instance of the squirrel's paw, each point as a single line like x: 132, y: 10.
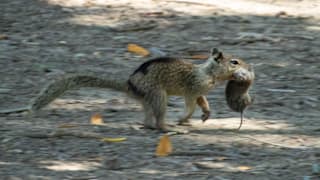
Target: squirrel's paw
x: 205, y: 116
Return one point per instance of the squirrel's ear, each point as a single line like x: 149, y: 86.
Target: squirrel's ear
x: 216, y: 54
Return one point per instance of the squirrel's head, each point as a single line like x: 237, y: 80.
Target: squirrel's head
x: 226, y: 67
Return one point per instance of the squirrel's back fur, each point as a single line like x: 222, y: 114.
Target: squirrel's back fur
x: 173, y: 75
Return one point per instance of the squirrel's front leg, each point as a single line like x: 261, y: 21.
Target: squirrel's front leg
x: 204, y: 105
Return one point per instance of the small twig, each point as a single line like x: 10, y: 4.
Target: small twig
x: 282, y: 90
x: 15, y: 110
x: 136, y: 28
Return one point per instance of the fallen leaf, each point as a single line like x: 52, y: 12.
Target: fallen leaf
x: 164, y: 147
x: 67, y: 126
x: 96, y: 119
x: 199, y: 56
x: 114, y: 139
x: 3, y: 36
x: 134, y: 48
x: 244, y: 168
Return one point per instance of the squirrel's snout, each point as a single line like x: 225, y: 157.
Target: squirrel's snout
x: 242, y: 75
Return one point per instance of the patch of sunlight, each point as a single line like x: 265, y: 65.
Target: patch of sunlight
x: 243, y: 138
x: 262, y: 8
x: 313, y: 28
x: 70, y: 166
x: 92, y: 19
x: 150, y: 171
x: 8, y: 163
x: 248, y: 124
x: 278, y: 133
x: 145, y: 4
x: 180, y: 7
x: 205, y: 7
x: 224, y: 166
x: 69, y: 3
x: 71, y: 104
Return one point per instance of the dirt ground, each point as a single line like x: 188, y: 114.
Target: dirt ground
x: 42, y: 40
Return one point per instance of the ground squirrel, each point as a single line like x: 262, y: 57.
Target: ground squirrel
x: 153, y: 81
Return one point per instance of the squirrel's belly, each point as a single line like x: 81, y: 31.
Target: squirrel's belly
x: 175, y: 91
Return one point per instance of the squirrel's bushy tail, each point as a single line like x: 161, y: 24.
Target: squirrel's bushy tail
x: 60, y: 86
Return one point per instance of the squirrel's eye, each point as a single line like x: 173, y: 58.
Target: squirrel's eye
x: 234, y: 61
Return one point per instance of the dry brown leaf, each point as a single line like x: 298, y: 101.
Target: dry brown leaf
x: 3, y: 36
x: 244, y: 168
x: 199, y: 56
x: 120, y: 139
x: 164, y: 147
x: 134, y: 48
x: 96, y: 119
